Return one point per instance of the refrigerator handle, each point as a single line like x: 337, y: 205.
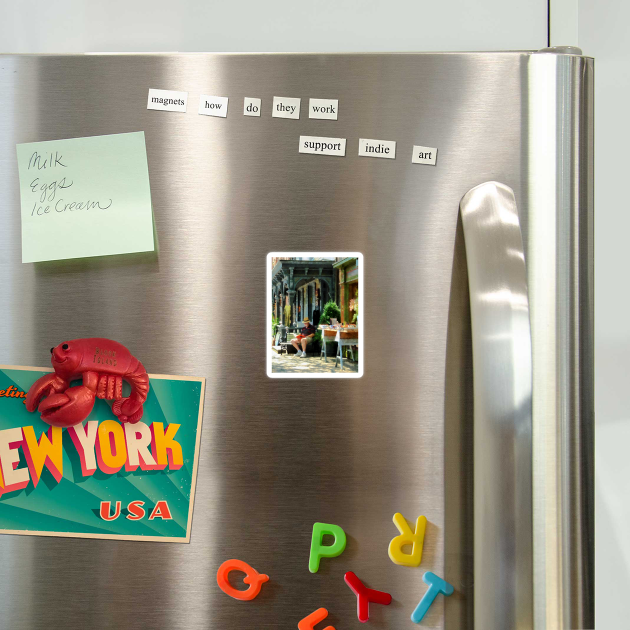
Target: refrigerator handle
x: 502, y: 374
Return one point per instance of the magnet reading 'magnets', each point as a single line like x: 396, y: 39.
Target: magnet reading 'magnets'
x: 103, y: 364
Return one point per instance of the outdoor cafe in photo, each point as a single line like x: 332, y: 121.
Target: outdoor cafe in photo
x: 315, y: 315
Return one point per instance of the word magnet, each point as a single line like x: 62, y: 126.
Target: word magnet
x: 323, y: 108
x: 436, y: 586
x: 424, y: 155
x: 309, y: 623
x: 377, y: 148
x: 213, y: 106
x: 167, y: 100
x: 285, y: 107
x: 319, y: 550
x: 251, y: 106
x: 252, y: 577
x: 365, y: 595
x: 407, y: 537
x: 322, y: 146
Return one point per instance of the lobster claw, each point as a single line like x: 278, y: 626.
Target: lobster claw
x: 68, y: 408
x: 128, y: 410
x: 43, y: 386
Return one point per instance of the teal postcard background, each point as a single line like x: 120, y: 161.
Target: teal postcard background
x: 72, y: 505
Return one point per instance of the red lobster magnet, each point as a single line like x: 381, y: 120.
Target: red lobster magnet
x: 103, y: 364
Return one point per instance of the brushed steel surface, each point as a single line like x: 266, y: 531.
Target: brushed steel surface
x: 276, y: 455
x: 560, y: 277
x: 502, y: 368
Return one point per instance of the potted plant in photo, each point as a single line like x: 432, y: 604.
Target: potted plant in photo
x: 330, y: 311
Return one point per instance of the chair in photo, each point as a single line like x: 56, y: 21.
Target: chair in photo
x: 328, y: 336
x: 346, y: 338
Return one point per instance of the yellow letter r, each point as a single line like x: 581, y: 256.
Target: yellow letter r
x: 407, y: 537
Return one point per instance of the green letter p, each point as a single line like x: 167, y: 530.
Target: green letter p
x: 319, y: 551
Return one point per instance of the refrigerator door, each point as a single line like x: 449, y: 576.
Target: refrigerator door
x: 278, y: 455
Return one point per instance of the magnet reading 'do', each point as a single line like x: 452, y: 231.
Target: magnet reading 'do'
x: 102, y: 364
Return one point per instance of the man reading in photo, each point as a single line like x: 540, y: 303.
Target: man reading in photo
x: 304, y: 338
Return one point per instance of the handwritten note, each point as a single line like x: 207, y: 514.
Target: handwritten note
x: 85, y: 197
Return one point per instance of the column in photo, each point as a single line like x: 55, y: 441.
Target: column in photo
x: 283, y: 303
x: 292, y: 293
x: 348, y: 278
x: 342, y: 295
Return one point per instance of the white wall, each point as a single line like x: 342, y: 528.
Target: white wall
x: 270, y: 25
x: 604, y: 27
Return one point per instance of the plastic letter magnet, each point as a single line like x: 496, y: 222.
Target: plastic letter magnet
x: 365, y: 596
x: 308, y: 623
x: 252, y: 577
x: 407, y: 537
x: 319, y: 551
x: 436, y: 586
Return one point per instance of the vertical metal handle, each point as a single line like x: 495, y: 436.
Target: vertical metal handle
x: 502, y: 373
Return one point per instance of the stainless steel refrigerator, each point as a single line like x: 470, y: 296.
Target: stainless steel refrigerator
x: 475, y: 407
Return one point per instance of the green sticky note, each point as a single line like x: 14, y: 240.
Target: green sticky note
x: 85, y: 197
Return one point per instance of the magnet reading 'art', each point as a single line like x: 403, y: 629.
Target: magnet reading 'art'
x: 252, y: 577
x: 309, y: 623
x: 102, y: 364
x: 407, y: 537
x: 319, y: 551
